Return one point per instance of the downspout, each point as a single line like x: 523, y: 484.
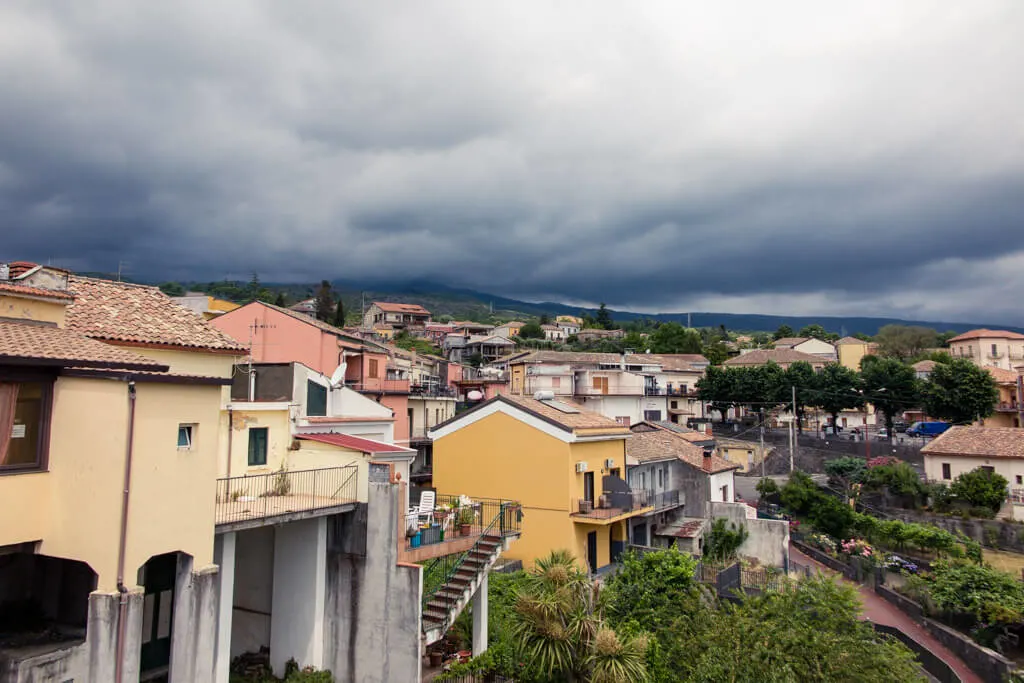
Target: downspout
x: 122, y: 616
x: 231, y: 433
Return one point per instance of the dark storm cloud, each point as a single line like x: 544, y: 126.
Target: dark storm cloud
x: 750, y: 157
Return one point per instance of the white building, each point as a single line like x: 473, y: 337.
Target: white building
x: 809, y: 345
x: 997, y: 348
x: 963, y: 449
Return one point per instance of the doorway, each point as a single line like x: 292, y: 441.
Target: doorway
x: 592, y: 551
x: 588, y: 486
x: 158, y: 577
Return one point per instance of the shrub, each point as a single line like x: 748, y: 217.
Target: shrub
x: 724, y: 540
x: 898, y: 479
x: 767, y: 487
x: 980, y: 488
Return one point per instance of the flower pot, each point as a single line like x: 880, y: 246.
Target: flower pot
x: 435, y: 659
x: 415, y: 540
x: 464, y: 529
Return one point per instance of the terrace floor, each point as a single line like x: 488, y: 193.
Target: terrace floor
x: 257, y: 509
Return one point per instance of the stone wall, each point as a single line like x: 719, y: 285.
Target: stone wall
x: 767, y: 540
x: 991, y: 533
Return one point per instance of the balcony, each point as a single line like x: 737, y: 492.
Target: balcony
x: 1017, y: 496
x: 255, y: 500
x: 483, y: 375
x: 457, y: 523
x: 432, y: 391
x: 611, y: 507
x: 1005, y: 407
x: 382, y: 386
x: 664, y: 500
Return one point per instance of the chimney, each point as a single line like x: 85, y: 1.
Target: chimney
x: 707, y: 429
x: 707, y: 459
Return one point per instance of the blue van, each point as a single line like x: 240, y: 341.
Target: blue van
x: 927, y: 428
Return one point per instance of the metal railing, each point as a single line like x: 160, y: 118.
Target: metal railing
x: 451, y: 519
x: 432, y: 391
x: 388, y: 386
x: 1007, y: 407
x: 606, y: 508
x: 259, y: 496
x: 506, y: 521
x: 663, y: 500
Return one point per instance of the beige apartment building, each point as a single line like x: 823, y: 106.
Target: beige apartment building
x: 996, y: 348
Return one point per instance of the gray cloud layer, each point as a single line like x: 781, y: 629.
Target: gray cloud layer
x: 786, y: 157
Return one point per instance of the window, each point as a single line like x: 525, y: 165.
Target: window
x: 257, y: 446
x: 186, y: 437
x: 437, y: 416
x: 653, y: 415
x: 725, y: 494
x: 987, y: 468
x: 371, y: 367
x: 601, y: 384
x: 1020, y: 479
x: 661, y: 479
x: 556, y: 382
x: 675, y: 404
x: 316, y: 399
x: 643, y: 480
x: 994, y: 352
x: 946, y: 473
x: 24, y: 424
x: 624, y: 421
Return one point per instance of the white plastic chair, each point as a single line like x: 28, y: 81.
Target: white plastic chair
x: 427, y: 502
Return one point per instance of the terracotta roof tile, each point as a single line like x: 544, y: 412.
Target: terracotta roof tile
x: 850, y: 340
x: 662, y: 444
x: 355, y: 443
x: 987, y: 334
x: 29, y: 343
x: 1002, y: 376
x: 924, y: 366
x: 583, y: 419
x: 389, y: 307
x: 140, y: 314
x: 26, y: 290
x: 988, y: 442
x: 789, y: 341
x: 672, y: 361
x: 781, y: 356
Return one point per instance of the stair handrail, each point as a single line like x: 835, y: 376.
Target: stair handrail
x: 455, y: 566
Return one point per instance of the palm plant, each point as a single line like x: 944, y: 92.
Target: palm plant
x: 559, y: 629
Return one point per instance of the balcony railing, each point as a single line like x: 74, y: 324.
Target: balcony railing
x: 1017, y: 496
x: 453, y: 518
x: 478, y: 375
x: 387, y: 386
x: 613, y: 505
x: 432, y: 391
x: 611, y: 389
x: 1006, y: 407
x: 262, y: 496
x: 664, y: 500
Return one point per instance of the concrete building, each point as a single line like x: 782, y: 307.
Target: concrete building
x: 962, y: 449
x: 399, y: 316
x: 810, y: 346
x: 851, y: 351
x: 746, y: 455
x: 554, y: 333
x: 781, y: 357
x: 1009, y: 407
x: 997, y: 348
x: 461, y: 348
x: 509, y: 329
x: 594, y: 334
x: 110, y: 400
x: 564, y: 465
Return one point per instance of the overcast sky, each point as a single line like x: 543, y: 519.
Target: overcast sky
x: 764, y: 157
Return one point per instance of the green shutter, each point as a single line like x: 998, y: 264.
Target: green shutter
x: 257, y: 446
x: 316, y: 399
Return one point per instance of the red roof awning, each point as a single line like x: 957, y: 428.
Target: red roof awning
x: 355, y: 443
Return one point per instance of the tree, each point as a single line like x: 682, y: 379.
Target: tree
x: 531, y: 330
x: 716, y: 352
x: 172, y: 289
x: 558, y: 628
x: 890, y: 385
x: 280, y: 300
x: 324, y: 303
x: 545, y: 319
x: 801, y: 376
x: 903, y: 342
x: 783, y: 331
x: 845, y: 472
x: 604, y: 318
x: 724, y: 540
x: 981, y: 488
x: 838, y: 389
x: 717, y: 388
x: 816, y: 331
x: 339, y: 314
x: 672, y: 337
x: 960, y: 392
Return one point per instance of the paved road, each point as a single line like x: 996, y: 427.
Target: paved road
x: 881, y: 611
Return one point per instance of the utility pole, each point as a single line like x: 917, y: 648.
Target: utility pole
x: 762, y: 444
x: 792, y: 432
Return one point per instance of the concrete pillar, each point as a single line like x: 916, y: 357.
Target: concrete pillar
x: 194, y: 631
x: 300, y: 575
x: 480, y: 617
x: 224, y: 556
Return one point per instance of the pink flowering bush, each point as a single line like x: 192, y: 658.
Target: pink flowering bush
x: 857, y: 547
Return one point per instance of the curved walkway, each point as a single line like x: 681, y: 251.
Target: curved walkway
x: 880, y: 611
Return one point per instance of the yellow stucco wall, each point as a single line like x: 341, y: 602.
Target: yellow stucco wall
x: 850, y: 355
x: 501, y: 457
x: 32, y: 309
x: 314, y: 455
x: 74, y: 508
x: 517, y: 379
x: 191, y: 362
x: 279, y: 439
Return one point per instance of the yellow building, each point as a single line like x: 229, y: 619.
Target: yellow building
x: 746, y: 454
x: 565, y: 465
x: 852, y: 350
x: 110, y: 411
x: 1008, y: 405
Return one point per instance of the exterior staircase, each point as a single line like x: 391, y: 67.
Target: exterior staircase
x: 463, y: 576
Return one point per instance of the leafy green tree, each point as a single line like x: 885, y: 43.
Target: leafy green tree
x: 339, y: 314
x: 558, y: 628
x: 890, y: 385
x: 960, y: 392
x: 898, y: 479
x: 672, y: 337
x: 724, y: 540
x: 280, y: 300
x: 324, y: 302
x: 990, y: 595
x: 838, y: 389
x: 647, y: 583
x: 718, y: 389
x: 531, y: 330
x: 845, y: 472
x: 545, y: 319
x: 815, y: 331
x: 716, y: 352
x: 767, y: 487
x: 801, y: 376
x: 404, y: 340
x: 981, y: 488
x: 783, y: 331
x: 172, y: 289
x: 633, y: 340
x: 903, y: 342
x: 604, y: 318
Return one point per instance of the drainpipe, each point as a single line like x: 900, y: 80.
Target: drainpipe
x: 231, y: 430
x: 122, y: 616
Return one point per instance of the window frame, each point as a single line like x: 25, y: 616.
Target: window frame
x: 48, y: 380
x: 190, y: 430
x: 947, y: 471
x: 266, y: 446
x: 311, y: 387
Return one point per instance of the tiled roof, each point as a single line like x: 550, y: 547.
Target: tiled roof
x: 12, y: 287
x: 994, y: 442
x: 671, y: 361
x: 122, y: 312
x: 850, y: 340
x: 1002, y: 376
x: 987, y: 334
x: 646, y: 445
x: 355, y: 443
x: 687, y: 528
x: 924, y: 366
x: 789, y: 341
x: 412, y: 309
x: 762, y: 356
x: 51, y: 345
x: 553, y: 328
x: 583, y: 419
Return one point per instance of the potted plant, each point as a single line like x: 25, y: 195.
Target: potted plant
x: 467, y: 515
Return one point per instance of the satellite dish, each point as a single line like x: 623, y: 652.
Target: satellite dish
x: 338, y: 376
x: 474, y: 395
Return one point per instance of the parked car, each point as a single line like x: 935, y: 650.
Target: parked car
x: 899, y: 426
x: 927, y: 429
x: 882, y: 433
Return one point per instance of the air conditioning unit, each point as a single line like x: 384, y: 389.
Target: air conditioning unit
x: 581, y: 467
x: 609, y: 463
